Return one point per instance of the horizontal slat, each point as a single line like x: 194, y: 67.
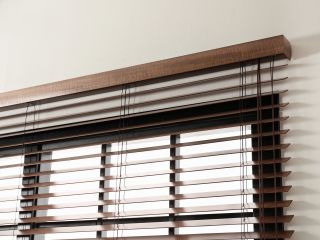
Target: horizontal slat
x: 226, y: 113
x: 215, y: 153
x: 160, y: 172
x: 86, y: 180
x: 44, y: 109
x: 149, y: 186
x: 174, y: 184
x: 165, y: 198
x: 269, y: 120
x: 149, y: 212
x: 155, y: 225
x: 140, y: 104
x: 152, y: 199
x: 137, y: 150
x: 208, y: 236
x: 127, y: 128
x: 226, y: 207
x: 178, y: 183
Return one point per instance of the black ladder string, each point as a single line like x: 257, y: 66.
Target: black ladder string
x: 273, y: 146
x: 122, y: 156
x: 23, y: 151
x: 122, y: 122
x: 260, y: 156
x: 126, y: 113
x: 241, y: 150
x: 246, y: 226
x: 121, y: 160
x: 128, y: 97
x: 243, y: 154
x: 245, y: 144
x: 115, y: 225
x: 245, y: 160
x: 21, y: 168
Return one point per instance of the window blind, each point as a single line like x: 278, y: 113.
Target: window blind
x: 194, y: 155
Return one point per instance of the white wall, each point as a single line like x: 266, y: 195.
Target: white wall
x: 43, y: 41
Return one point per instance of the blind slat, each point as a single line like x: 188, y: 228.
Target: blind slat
x: 154, y: 225
x: 154, y: 199
x: 211, y: 236
x: 136, y: 150
x: 225, y: 207
x: 221, y: 100
x: 65, y: 182
x: 145, y: 103
x: 200, y: 155
x: 64, y: 105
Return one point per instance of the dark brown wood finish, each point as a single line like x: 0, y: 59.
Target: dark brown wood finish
x: 139, y: 213
x: 88, y: 156
x: 155, y: 225
x: 223, y: 207
x: 142, y: 92
x: 274, y: 46
x: 198, y: 155
x: 281, y: 119
x: 208, y: 236
x: 158, y: 185
x: 168, y: 99
x: 252, y: 191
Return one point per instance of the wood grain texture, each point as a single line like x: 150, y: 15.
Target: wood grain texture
x: 155, y: 225
x: 204, y: 236
x: 274, y: 46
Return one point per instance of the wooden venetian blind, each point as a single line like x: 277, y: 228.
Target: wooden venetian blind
x: 185, y: 148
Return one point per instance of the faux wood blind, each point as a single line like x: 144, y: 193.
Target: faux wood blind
x: 186, y: 148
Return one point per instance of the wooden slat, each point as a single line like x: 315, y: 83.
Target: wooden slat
x: 274, y: 46
x: 155, y: 225
x: 124, y: 117
x: 198, y: 155
x: 282, y: 105
x: 140, y: 187
x: 208, y: 236
x: 161, y: 185
x: 213, y: 167
x: 151, y: 199
x: 140, y: 104
x: 226, y: 207
x: 268, y: 120
x: 148, y: 91
x: 105, y: 202
x: 177, y: 183
x: 86, y: 180
x: 158, y: 172
x: 135, y: 150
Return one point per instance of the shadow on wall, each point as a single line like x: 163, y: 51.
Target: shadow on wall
x: 302, y: 195
x: 305, y: 46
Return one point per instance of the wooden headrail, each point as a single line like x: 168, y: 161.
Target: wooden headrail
x: 274, y: 46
